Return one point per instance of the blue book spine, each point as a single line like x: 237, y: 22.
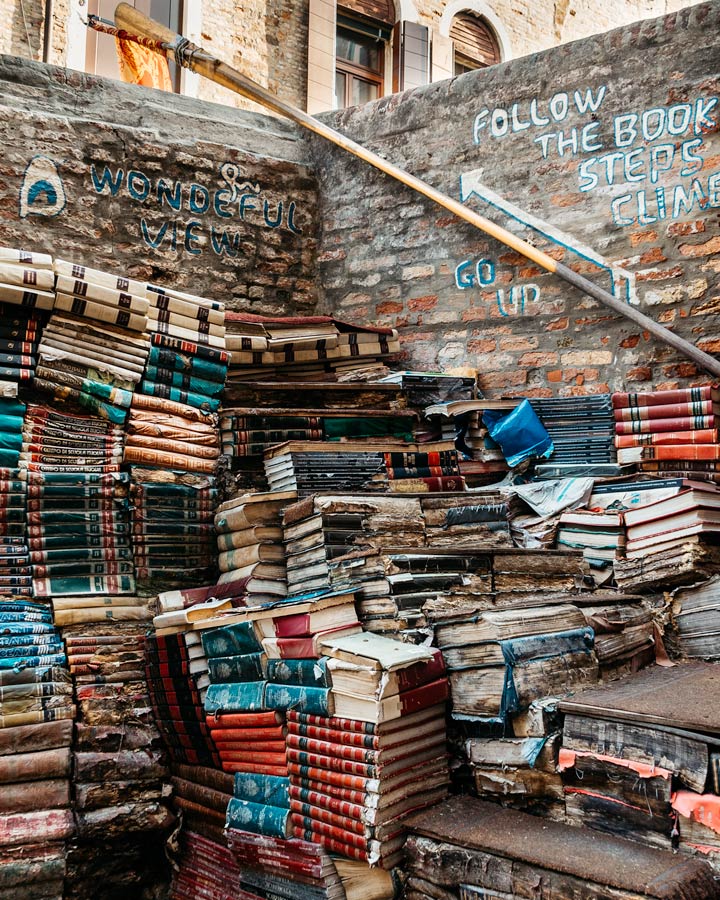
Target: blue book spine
x: 233, y: 640
x: 182, y: 380
x: 271, y: 821
x: 301, y: 672
x: 244, y: 667
x: 272, y: 790
x: 313, y: 700
x: 27, y: 662
x: 546, y: 646
x: 246, y: 697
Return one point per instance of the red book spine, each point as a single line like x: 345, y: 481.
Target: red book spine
x: 300, y: 795
x: 244, y: 720
x: 424, y: 695
x: 421, y: 672
x: 325, y: 776
x: 662, y: 398
x: 325, y: 748
x: 330, y: 763
x: 348, y: 823
x: 254, y: 768
x: 249, y: 735
x: 337, y: 722
x: 655, y: 426
x: 333, y: 832
x: 331, y: 844
x: 348, y: 795
x: 683, y: 452
x: 247, y: 749
x: 440, y: 483
x: 346, y: 738
x: 293, y: 626
x: 264, y: 759
x: 668, y: 411
x: 703, y: 436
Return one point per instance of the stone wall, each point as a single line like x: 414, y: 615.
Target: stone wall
x: 212, y: 200
x: 560, y: 134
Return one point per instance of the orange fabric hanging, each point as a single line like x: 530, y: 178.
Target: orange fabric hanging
x: 139, y: 65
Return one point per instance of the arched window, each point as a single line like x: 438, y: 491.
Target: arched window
x: 476, y: 46
x: 361, y: 38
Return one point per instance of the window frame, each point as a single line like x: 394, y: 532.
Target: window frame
x: 352, y: 71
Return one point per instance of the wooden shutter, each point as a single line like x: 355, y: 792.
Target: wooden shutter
x: 379, y: 10
x: 474, y: 40
x: 411, y: 56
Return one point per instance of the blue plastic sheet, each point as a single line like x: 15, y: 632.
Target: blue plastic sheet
x: 520, y: 433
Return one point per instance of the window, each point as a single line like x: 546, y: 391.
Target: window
x: 476, y: 46
x: 100, y: 53
x: 359, y: 65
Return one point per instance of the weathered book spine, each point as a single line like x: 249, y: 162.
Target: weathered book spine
x: 188, y: 398
x: 97, y: 584
x: 621, y: 400
x: 248, y: 697
x: 36, y: 766
x: 51, y: 793
x: 201, y: 794
x: 95, y: 406
x: 245, y: 667
x: 318, y: 701
x: 334, y: 736
x: 182, y: 362
x: 17, y: 295
x: 150, y: 457
x: 335, y: 751
x: 331, y: 763
x: 258, y: 818
x: 335, y: 722
x: 305, y: 672
x: 245, y: 720
x: 24, y: 828
x: 664, y: 411
x: 334, y: 839
x: 299, y: 772
x: 232, y: 640
x: 183, y: 381
x: 195, y: 348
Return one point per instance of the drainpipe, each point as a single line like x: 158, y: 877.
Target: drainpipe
x: 47, y: 32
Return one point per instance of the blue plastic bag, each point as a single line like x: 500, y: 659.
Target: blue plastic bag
x: 521, y: 434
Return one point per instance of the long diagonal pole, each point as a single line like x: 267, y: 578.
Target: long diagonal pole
x: 180, y: 50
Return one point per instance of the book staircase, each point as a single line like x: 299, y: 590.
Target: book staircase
x: 282, y: 612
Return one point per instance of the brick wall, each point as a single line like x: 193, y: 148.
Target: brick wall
x: 212, y: 200
x: 268, y: 39
x: 460, y: 299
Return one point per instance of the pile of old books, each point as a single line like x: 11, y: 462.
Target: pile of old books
x: 582, y: 432
x: 694, y: 631
x: 36, y: 713
x: 355, y: 775
x: 120, y: 776
x: 15, y: 569
x: 78, y: 528
x: 306, y: 348
x: 322, y: 466
x: 485, y: 851
x: 249, y: 541
x: 94, y: 347
x: 600, y: 535
x: 669, y: 431
x: 27, y: 293
x: 174, y: 452
x: 639, y: 758
x: 187, y: 363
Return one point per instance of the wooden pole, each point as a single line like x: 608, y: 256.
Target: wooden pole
x: 200, y: 61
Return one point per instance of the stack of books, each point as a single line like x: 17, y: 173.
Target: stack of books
x: 201, y: 795
x: 309, y: 347
x: 284, y: 867
x: 434, y: 468
x: 356, y: 775
x: 78, y: 525
x: 639, y: 758
x: 501, y: 660
x: 12, y: 418
x: 600, y: 535
x: 323, y: 466
x: 248, y: 738
x: 173, y: 538
x: 249, y: 536
x: 36, y: 729
x: 27, y: 293
x: 166, y: 434
x: 624, y: 627
x: 582, y: 432
x: 188, y: 362
x: 206, y: 867
x: 670, y: 431
x: 94, y: 347
x: 15, y: 569
x: 118, y: 757
x: 694, y: 631
x: 176, y: 670
x: 493, y: 852
x: 663, y: 525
